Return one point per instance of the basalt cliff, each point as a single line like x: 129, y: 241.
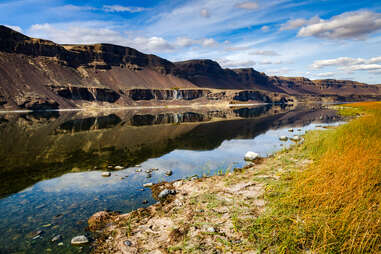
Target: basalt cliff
x: 39, y: 74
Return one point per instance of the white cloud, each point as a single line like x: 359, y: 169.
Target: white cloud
x: 296, y: 23
x: 236, y: 63
x: 266, y: 62
x: 16, y: 28
x: 91, y: 33
x: 237, y: 48
x: 325, y: 74
x: 352, y: 25
x: 341, y: 61
x: 364, y: 67
x: 120, y: 8
x: 247, y: 5
x: 71, y: 7
x: 205, y: 13
x: 265, y: 28
x: 209, y: 42
x: 264, y: 53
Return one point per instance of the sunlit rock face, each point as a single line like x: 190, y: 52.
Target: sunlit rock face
x: 39, y: 74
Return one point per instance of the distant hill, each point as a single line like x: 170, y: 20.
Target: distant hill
x: 40, y: 74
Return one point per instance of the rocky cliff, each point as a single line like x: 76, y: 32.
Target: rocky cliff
x: 39, y: 74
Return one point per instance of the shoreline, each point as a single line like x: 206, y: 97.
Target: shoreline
x: 201, y: 215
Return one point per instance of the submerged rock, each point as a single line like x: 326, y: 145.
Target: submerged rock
x: 250, y: 156
x: 78, y: 240
x: 56, y: 238
x: 106, y: 174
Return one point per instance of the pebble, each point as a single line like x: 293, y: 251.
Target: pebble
x: 81, y: 239
x: 168, y: 172
x: 211, y: 229
x: 56, y: 238
x: 106, y: 174
x: 164, y: 193
x: 128, y: 243
x: 148, y: 185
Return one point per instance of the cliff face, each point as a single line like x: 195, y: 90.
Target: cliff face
x: 40, y: 74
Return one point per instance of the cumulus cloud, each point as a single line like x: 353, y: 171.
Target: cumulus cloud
x: 296, y: 23
x: 341, y: 61
x: 187, y: 42
x: 349, y: 64
x: 230, y: 63
x: 205, y: 13
x: 16, y: 28
x: 325, y: 74
x: 349, y: 25
x: 120, y: 8
x: 90, y: 33
x: 247, y: 5
x: 264, y: 53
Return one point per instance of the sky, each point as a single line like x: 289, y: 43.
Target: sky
x: 317, y: 39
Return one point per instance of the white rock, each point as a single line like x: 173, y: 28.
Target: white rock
x: 250, y: 156
x: 283, y: 138
x: 163, y: 194
x: 295, y: 138
x: 81, y: 239
x: 148, y: 185
x: 118, y: 167
x: 106, y: 174
x: 211, y: 229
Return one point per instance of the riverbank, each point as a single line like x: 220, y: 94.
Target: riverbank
x: 321, y: 196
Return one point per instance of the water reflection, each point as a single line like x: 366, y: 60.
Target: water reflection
x: 50, y: 163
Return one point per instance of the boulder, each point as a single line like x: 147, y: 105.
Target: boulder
x: 148, y: 185
x: 296, y: 138
x: 106, y: 174
x: 283, y: 138
x: 250, y: 156
x: 98, y: 220
x: 79, y: 240
x: 164, y: 193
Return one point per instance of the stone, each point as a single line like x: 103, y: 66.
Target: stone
x: 148, y: 185
x: 138, y: 170
x: 60, y: 244
x: 295, y: 138
x: 168, y: 172
x: 106, y: 174
x: 283, y: 138
x: 127, y: 243
x: 148, y: 171
x: 164, y: 193
x: 78, y: 240
x: 145, y: 202
x: 56, y: 238
x: 211, y: 230
x: 290, y: 130
x: 149, y: 175
x: 250, y: 156
x: 118, y: 167
x: 98, y: 220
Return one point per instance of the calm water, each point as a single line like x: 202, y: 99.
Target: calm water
x: 51, y: 163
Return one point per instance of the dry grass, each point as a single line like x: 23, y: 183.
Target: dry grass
x: 334, y: 205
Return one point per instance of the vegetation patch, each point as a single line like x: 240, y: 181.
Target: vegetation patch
x: 333, y: 206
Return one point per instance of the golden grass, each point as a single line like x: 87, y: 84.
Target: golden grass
x: 334, y: 205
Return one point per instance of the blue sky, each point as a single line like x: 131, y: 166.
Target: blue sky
x: 312, y: 38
